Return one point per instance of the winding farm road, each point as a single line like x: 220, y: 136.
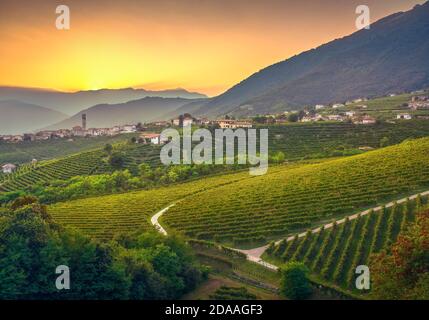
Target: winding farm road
x: 154, y: 219
x: 255, y: 254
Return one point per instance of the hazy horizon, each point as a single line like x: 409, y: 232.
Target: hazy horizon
x: 201, y: 46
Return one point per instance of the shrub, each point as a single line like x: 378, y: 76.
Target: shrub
x: 294, y: 283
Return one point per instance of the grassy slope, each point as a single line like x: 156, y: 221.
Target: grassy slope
x: 333, y: 254
x: 242, y: 208
x: 105, y: 216
x: 20, y: 153
x: 83, y: 163
x: 285, y: 200
x: 384, y: 107
x: 297, y: 141
x: 319, y: 140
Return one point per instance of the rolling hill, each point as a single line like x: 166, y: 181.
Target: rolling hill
x: 79, y: 164
x: 102, y: 217
x: 20, y: 153
x: 108, y: 115
x: 297, y: 141
x: 390, y: 57
x: 288, y: 198
x: 333, y: 254
x: 17, y: 117
x: 72, y: 102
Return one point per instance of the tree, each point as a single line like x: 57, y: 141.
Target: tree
x: 6, y: 197
x: 279, y: 157
x: 108, y: 148
x: 384, y: 142
x: 135, y: 266
x: 117, y: 160
x: 22, y: 202
x: 139, y: 127
x: 260, y: 119
x: 403, y: 271
x: 293, y: 117
x: 145, y: 171
x: 294, y: 282
x: 301, y: 114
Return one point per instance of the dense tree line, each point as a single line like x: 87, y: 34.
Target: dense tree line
x: 294, y: 282
x: 120, y: 180
x: 403, y: 271
x: 133, y: 266
x: 116, y: 182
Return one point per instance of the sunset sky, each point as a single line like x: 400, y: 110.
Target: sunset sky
x: 200, y: 45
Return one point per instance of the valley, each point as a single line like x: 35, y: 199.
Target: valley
x: 295, y: 166
x: 336, y: 191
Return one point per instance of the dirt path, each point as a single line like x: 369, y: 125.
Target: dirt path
x: 156, y: 216
x: 255, y: 254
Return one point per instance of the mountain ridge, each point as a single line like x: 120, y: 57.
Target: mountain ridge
x: 390, y: 57
x: 72, y: 102
x: 18, y: 117
x: 147, y: 109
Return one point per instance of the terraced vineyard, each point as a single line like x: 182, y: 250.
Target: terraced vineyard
x: 310, y: 140
x: 84, y: 163
x: 105, y: 216
x: 20, y: 153
x: 297, y: 141
x: 135, y: 154
x: 238, y: 208
x: 383, y: 107
x: 286, y: 200
x: 333, y: 254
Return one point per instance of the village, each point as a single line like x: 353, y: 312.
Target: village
x: 336, y: 112
x: 354, y: 111
x: 82, y: 131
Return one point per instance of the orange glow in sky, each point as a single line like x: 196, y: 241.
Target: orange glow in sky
x: 204, y: 46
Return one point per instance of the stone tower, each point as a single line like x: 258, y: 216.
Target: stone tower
x: 84, y: 121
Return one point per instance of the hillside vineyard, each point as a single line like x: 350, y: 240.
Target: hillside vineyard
x: 286, y: 200
x: 316, y: 141
x: 83, y: 164
x: 103, y: 217
x: 334, y: 253
x: 295, y: 197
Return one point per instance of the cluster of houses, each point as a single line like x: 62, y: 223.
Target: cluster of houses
x: 82, y: 131
x: 186, y: 120
x: 8, y: 168
x: 419, y: 103
x: 77, y: 131
x: 346, y: 116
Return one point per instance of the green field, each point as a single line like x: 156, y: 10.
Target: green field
x: 23, y: 152
x: 296, y: 141
x: 290, y: 199
x: 384, y: 107
x: 333, y: 254
x: 80, y: 164
x: 244, y: 211
x: 102, y: 217
x: 320, y: 140
x: 239, y: 208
